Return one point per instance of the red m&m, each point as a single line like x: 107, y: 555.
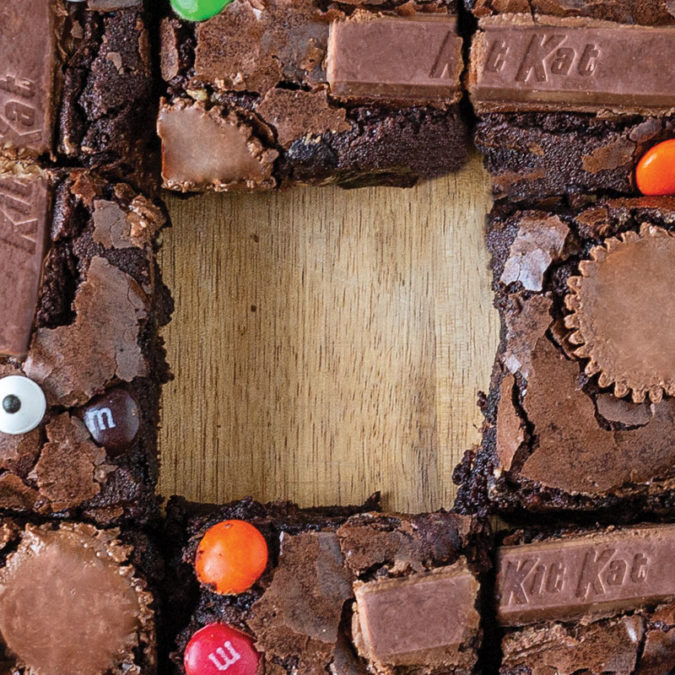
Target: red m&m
x: 231, y: 557
x: 217, y: 648
x: 655, y: 172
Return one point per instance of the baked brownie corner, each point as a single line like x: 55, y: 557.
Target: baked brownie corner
x: 83, y: 361
x: 78, y: 86
x: 293, y: 95
x: 331, y: 573
x: 580, y: 412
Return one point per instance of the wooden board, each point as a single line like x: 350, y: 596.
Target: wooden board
x: 327, y: 343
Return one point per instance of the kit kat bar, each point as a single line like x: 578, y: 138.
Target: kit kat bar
x: 24, y: 205
x: 599, y: 574
x: 415, y: 59
x: 572, y: 65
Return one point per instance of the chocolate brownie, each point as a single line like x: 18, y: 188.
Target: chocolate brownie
x: 569, y: 105
x: 273, y: 93
x: 81, y: 362
x: 581, y: 410
x: 343, y: 592
x: 590, y: 601
x: 76, y: 85
x: 76, y: 599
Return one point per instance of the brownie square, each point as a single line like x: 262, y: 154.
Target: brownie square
x: 81, y: 361
x: 275, y: 93
x: 591, y: 601
x: 580, y: 416
x: 77, y: 599
x: 76, y: 85
x: 345, y: 591
x: 568, y: 106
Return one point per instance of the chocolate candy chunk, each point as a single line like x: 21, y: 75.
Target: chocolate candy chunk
x: 23, y: 216
x: 189, y: 135
x: 27, y: 67
x: 113, y: 420
x: 424, y: 618
x: 383, y: 57
x: 598, y: 574
x: 572, y: 64
x: 70, y: 602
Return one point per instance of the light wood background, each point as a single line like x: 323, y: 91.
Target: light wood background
x: 327, y: 343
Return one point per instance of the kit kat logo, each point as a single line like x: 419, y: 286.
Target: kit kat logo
x: 585, y: 576
x: 546, y: 56
x: 18, y: 113
x: 18, y: 224
x: 446, y: 59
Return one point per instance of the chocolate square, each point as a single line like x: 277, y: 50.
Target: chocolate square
x: 334, y: 580
x: 80, y: 331
x: 581, y: 410
x: 266, y: 96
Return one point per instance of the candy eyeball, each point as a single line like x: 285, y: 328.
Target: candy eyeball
x: 22, y: 405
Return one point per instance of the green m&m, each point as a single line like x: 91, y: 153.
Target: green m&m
x: 198, y: 10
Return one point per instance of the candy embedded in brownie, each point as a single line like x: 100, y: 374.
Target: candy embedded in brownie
x: 81, y: 361
x: 272, y: 93
x: 569, y: 105
x: 76, y: 599
x: 581, y: 410
x: 76, y: 85
x: 336, y: 590
x: 599, y: 601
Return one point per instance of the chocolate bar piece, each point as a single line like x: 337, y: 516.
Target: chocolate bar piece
x: 588, y: 601
x: 76, y: 599
x: 581, y: 409
x: 642, y: 12
x: 519, y: 64
x: 343, y: 592
x: 269, y: 96
x: 81, y: 362
x: 76, y: 85
x: 569, y: 105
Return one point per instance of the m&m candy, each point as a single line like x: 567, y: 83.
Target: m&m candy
x: 655, y: 172
x: 217, y: 648
x: 198, y: 10
x: 231, y: 557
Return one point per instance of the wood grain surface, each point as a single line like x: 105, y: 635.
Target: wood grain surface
x: 327, y: 343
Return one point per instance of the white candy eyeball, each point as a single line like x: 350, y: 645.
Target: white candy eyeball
x: 22, y: 405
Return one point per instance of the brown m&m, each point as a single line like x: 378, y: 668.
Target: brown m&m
x: 231, y: 557
x: 113, y: 420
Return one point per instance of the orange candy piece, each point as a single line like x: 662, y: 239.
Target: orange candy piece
x: 231, y: 557
x: 655, y: 172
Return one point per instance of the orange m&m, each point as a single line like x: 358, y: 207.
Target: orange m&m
x: 655, y: 172
x: 231, y: 557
